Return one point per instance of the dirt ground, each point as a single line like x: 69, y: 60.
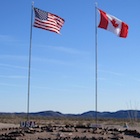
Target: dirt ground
x: 9, y: 131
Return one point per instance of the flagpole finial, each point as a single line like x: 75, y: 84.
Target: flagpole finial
x: 96, y: 3
x: 32, y: 3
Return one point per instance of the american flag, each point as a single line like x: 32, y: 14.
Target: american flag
x: 48, y: 21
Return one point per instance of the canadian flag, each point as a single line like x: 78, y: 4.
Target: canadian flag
x: 113, y: 24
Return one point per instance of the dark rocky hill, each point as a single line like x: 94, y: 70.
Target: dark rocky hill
x: 122, y: 114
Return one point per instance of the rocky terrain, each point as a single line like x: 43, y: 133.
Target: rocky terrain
x: 68, y: 132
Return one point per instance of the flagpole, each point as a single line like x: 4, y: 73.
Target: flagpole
x: 29, y: 68
x: 96, y: 67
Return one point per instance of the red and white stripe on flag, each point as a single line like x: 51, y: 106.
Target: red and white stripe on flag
x: 48, y: 21
x: 113, y: 24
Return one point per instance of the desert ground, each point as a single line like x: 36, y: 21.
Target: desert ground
x: 69, y: 129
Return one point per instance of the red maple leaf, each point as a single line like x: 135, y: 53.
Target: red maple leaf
x: 114, y: 23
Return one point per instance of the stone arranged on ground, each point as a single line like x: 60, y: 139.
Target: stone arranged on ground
x: 68, y: 132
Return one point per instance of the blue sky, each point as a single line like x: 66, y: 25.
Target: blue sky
x: 63, y: 66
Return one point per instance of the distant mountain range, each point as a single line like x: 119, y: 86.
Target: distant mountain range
x: 122, y: 114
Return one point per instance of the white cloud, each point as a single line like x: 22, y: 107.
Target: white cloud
x: 12, y: 66
x: 6, y: 38
x: 65, y: 49
x: 13, y: 76
x: 69, y: 50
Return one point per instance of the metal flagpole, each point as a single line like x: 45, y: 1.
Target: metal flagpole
x: 96, y: 66
x: 29, y: 68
